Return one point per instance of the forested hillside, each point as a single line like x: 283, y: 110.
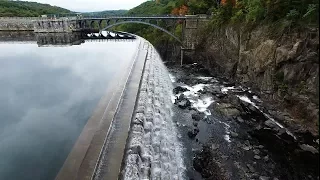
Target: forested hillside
x: 107, y: 13
x: 252, y: 12
x: 28, y: 9
x: 162, y: 7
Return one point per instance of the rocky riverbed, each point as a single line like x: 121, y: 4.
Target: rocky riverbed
x: 229, y: 133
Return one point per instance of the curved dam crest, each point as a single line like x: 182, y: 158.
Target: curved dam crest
x: 131, y: 135
x: 153, y: 149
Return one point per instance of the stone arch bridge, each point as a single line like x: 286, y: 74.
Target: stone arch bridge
x: 188, y: 38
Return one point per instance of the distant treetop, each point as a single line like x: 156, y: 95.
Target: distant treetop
x: 28, y: 9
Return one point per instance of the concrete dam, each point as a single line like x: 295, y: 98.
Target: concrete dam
x: 139, y: 102
x: 131, y: 134
x: 155, y: 120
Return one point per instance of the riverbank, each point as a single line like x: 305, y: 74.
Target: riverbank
x: 280, y: 63
x: 242, y: 133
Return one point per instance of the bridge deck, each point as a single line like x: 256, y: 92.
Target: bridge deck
x: 137, y: 17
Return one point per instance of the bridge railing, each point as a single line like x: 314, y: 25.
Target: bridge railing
x: 155, y: 16
x: 146, y: 16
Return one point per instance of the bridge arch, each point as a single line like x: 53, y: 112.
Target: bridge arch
x: 141, y: 22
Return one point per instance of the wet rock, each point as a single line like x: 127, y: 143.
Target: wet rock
x: 251, y: 168
x: 224, y: 157
x: 182, y: 102
x: 198, y: 116
x: 214, y: 90
x: 240, y: 120
x: 234, y: 134
x: 227, y: 109
x: 221, y: 95
x: 234, y: 100
x: 266, y: 158
x: 283, y: 134
x: 257, y: 157
x: 205, y: 163
x: 228, y: 83
x: 247, y: 148
x: 179, y: 89
x: 264, y: 178
x: 270, y: 124
x: 203, y: 71
x: 271, y: 139
x: 193, y: 133
x: 195, y: 124
x: 256, y: 151
x: 246, y: 142
x: 252, y: 111
x: 215, y: 146
x: 309, y: 148
x: 296, y: 49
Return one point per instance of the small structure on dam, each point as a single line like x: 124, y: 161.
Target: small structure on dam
x: 57, y: 25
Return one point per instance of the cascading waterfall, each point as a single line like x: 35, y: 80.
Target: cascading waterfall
x: 153, y: 150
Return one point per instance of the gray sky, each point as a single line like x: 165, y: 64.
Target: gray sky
x: 93, y: 5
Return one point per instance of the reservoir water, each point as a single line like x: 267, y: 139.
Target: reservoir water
x: 47, y: 94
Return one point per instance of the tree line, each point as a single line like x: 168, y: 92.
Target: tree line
x: 28, y: 9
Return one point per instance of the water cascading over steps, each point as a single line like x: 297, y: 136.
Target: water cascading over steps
x: 153, y: 149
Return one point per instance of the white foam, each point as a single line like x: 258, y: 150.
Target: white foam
x: 196, y: 88
x: 256, y: 98
x: 227, y: 131
x: 204, y: 78
x: 277, y: 123
x: 193, y: 90
x: 246, y: 99
x: 173, y: 98
x: 161, y: 150
x: 202, y: 105
x: 227, y: 138
x: 225, y: 90
x: 172, y: 78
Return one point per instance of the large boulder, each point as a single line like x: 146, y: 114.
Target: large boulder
x: 198, y: 116
x: 179, y: 89
x: 182, y: 102
x: 226, y: 109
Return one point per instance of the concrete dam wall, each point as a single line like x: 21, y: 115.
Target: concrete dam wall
x: 17, y: 23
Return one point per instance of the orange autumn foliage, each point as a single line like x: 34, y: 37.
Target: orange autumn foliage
x: 175, y: 11
x: 224, y: 2
x: 183, y: 10
x: 180, y: 10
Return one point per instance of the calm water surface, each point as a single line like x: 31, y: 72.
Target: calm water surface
x: 47, y: 94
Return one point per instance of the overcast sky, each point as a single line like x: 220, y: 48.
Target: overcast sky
x: 93, y: 5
